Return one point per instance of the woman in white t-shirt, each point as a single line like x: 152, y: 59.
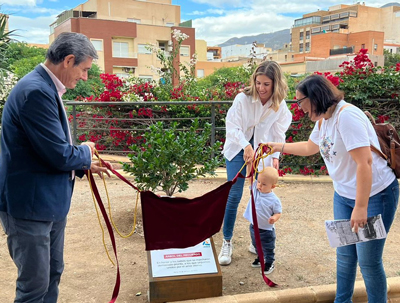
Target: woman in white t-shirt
x: 364, y: 185
x: 259, y: 114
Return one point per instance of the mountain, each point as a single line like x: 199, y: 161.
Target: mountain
x: 391, y: 4
x: 274, y: 40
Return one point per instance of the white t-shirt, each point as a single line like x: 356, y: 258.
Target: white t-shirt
x: 337, y: 137
x: 267, y: 204
x: 247, y: 117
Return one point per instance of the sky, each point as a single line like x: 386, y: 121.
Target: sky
x: 215, y: 20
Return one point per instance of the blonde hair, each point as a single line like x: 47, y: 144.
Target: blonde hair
x: 270, y: 175
x: 272, y: 70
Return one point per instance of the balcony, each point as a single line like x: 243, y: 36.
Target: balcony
x: 128, y: 55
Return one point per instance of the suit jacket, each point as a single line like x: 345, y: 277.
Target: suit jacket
x: 36, y: 158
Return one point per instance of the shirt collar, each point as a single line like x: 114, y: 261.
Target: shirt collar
x: 59, y: 86
x: 268, y: 103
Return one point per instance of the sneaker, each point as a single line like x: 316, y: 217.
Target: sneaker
x: 225, y: 255
x: 252, y: 249
x: 256, y: 263
x: 269, y: 268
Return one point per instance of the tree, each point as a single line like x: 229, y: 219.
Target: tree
x: 169, y: 158
x: 5, y: 40
x: 92, y: 87
x: 390, y: 58
x: 21, y: 50
x: 25, y: 65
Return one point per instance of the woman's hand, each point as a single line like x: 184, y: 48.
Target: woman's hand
x: 275, y: 163
x: 275, y: 146
x: 358, y: 218
x: 248, y: 154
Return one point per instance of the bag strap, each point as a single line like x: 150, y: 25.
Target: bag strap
x: 373, y: 148
x: 320, y: 123
x: 320, y: 120
x: 371, y: 118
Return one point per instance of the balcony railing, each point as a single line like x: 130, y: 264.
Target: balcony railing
x: 130, y: 55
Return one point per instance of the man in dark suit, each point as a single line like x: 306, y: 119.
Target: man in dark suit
x: 38, y: 165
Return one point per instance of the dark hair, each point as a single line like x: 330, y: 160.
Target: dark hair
x: 272, y: 70
x: 321, y: 92
x: 71, y: 44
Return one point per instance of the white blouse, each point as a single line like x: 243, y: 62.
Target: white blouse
x: 247, y: 118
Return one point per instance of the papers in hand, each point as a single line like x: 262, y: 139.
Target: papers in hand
x: 340, y: 232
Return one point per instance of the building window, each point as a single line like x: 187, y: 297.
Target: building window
x: 122, y: 75
x: 285, y: 58
x: 325, y: 28
x: 353, y: 14
x: 316, y: 30
x: 52, y: 27
x: 307, y: 35
x: 326, y: 19
x: 301, y: 35
x: 120, y: 49
x: 335, y: 16
x: 200, y: 73
x: 98, y: 44
x: 142, y: 49
x: 185, y: 51
x: 147, y: 78
x: 375, y: 46
x: 162, y: 45
x: 307, y: 46
x: 306, y: 21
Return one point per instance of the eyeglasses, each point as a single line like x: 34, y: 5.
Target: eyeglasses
x: 299, y: 101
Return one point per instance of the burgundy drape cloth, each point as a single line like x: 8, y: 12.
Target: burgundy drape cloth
x: 181, y: 222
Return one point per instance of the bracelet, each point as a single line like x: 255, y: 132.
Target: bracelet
x: 283, y: 145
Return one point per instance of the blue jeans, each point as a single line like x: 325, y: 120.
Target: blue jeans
x: 267, y: 238
x: 36, y: 248
x: 235, y: 194
x: 367, y: 254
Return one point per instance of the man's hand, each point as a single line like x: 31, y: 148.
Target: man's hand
x: 95, y: 168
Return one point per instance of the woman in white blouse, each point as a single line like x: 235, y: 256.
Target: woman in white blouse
x: 258, y: 115
x: 364, y: 185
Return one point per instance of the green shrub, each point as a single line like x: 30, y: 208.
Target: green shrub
x: 169, y: 158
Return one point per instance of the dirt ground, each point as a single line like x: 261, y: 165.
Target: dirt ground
x: 303, y: 255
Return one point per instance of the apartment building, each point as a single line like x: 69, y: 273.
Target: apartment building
x: 121, y: 31
x: 344, y: 29
x: 255, y: 50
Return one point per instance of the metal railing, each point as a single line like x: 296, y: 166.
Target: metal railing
x: 213, y: 117
x: 213, y: 107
